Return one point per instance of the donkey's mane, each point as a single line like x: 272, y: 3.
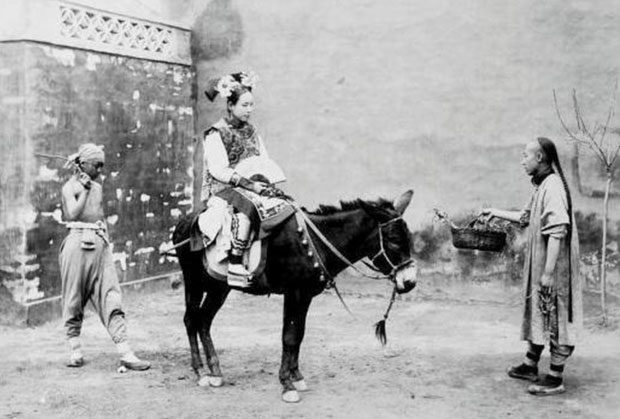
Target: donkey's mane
x: 352, y: 205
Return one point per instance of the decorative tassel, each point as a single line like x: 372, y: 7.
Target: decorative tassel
x: 380, y: 332
x: 380, y: 325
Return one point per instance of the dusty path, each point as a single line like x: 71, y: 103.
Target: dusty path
x: 446, y: 358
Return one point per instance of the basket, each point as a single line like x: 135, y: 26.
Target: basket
x: 478, y: 235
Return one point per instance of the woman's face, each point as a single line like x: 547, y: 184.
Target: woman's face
x: 532, y: 158
x: 244, y: 107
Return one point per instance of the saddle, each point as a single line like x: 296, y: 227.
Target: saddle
x: 210, y: 231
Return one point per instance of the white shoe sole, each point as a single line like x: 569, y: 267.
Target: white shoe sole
x: 537, y: 390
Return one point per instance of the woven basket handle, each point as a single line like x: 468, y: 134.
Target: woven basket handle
x: 480, y: 219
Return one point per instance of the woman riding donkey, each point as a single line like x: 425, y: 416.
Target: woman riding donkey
x: 228, y: 144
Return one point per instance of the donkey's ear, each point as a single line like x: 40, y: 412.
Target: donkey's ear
x: 402, y: 202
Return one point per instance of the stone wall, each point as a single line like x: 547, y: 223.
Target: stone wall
x: 56, y: 98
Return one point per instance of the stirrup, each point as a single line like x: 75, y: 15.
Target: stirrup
x: 238, y: 276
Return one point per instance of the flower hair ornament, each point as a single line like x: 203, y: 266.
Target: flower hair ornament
x: 226, y: 85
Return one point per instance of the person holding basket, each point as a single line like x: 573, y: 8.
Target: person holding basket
x: 552, y: 310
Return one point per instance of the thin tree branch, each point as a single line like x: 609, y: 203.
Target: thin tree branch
x: 580, y: 127
x: 612, y: 105
x: 615, y: 156
x: 610, y: 114
x: 564, y: 126
x: 581, y: 124
x: 599, y: 153
x: 590, y: 141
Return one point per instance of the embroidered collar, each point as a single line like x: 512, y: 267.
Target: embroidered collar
x: 235, y: 122
x: 539, y: 177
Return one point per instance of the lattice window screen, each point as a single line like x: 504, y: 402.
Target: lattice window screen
x: 116, y: 31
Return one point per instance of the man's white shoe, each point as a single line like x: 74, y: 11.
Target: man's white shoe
x: 129, y: 360
x: 76, y: 359
x: 132, y: 362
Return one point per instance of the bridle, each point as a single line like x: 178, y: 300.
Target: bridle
x: 395, y: 267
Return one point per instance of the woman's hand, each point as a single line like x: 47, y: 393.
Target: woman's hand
x: 259, y: 187
x: 250, y: 185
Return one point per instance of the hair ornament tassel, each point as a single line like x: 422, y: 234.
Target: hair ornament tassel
x: 226, y: 85
x: 211, y: 91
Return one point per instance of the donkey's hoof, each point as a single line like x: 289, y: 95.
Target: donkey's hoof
x: 210, y: 381
x: 291, y: 396
x: 300, y: 385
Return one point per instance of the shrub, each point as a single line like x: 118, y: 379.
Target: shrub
x: 590, y: 229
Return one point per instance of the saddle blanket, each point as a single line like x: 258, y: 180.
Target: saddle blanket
x: 214, y: 226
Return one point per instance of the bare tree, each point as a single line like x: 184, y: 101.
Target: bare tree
x: 606, y: 150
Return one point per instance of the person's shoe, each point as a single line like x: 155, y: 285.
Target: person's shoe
x: 132, y: 362
x: 524, y: 372
x: 76, y: 360
x: 548, y: 386
x: 238, y: 276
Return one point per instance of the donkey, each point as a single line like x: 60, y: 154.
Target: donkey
x: 298, y: 261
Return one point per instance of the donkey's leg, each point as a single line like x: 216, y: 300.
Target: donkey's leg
x: 298, y: 379
x: 193, y: 296
x: 214, y: 301
x: 192, y: 321
x: 296, y: 303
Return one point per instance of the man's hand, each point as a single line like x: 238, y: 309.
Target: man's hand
x: 84, y: 180
x: 546, y: 281
x: 488, y: 213
x: 546, y: 287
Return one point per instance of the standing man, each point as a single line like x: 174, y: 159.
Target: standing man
x: 553, y: 313
x: 86, y: 265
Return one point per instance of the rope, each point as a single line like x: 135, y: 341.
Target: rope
x: 332, y: 282
x: 331, y: 247
x: 176, y: 246
x: 392, y: 299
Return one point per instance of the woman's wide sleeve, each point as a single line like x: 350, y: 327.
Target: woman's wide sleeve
x: 216, y: 158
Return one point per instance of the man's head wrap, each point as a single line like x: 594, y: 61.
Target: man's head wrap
x: 88, y: 152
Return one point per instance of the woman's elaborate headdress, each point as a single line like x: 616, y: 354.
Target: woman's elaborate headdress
x: 226, y: 85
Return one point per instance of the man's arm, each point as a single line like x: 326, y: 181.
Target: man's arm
x: 74, y: 196
x: 513, y: 216
x: 553, y: 251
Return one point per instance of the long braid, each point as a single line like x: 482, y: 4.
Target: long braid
x: 551, y: 153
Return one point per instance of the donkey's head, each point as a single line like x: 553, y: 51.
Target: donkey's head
x: 389, y: 245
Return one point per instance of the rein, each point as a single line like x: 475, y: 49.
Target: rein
x: 338, y: 254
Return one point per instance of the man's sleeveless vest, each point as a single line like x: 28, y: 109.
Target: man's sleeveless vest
x: 240, y: 143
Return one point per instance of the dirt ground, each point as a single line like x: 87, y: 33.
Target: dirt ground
x: 447, y: 353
